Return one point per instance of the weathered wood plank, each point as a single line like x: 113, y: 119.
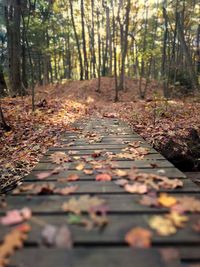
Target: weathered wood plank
x: 92, y: 186
x: 114, y: 232
x: 157, y: 156
x: 91, y: 257
x: 117, y: 203
x: 169, y: 172
x: 114, y: 165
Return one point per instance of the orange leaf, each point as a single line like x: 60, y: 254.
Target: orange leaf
x: 139, y: 237
x: 73, y: 177
x: 103, y: 177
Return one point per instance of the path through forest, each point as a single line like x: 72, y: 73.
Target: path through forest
x: 102, y: 189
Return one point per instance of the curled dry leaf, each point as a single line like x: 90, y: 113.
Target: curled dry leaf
x: 121, y: 182
x: 44, y: 189
x: 136, y: 188
x: 103, y: 177
x: 120, y: 173
x: 191, y: 204
x: 166, y: 201
x: 196, y: 226
x: 43, y: 175
x: 139, y: 237
x: 73, y: 177
x: 177, y: 219
x: 82, y: 204
x: 163, y: 226
x: 16, y: 216
x: 88, y: 172
x: 57, y: 236
x: 59, y: 157
x: 66, y: 190
x: 80, y: 166
x: 13, y: 240
x: 149, y: 200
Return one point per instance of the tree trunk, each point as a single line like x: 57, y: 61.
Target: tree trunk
x: 77, y: 40
x: 3, y: 85
x: 186, y: 51
x: 84, y: 41
x: 124, y: 46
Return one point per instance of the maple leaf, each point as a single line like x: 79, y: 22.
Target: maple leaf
x: 121, y: 182
x: 163, y: 226
x: 120, y: 173
x: 166, y: 201
x: 103, y: 177
x: 82, y: 204
x: 43, y: 175
x: 88, y: 172
x: 66, y: 190
x: 177, y: 219
x: 16, y: 216
x: 13, y: 240
x: 80, y: 166
x: 73, y: 177
x: 59, y: 157
x: 136, y: 188
x: 139, y: 237
x: 187, y: 203
x: 149, y: 200
x: 57, y: 236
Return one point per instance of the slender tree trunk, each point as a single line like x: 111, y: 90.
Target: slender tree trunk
x: 84, y: 41
x: 124, y: 46
x: 77, y: 40
x: 99, y: 54
x: 186, y: 51
x: 3, y: 85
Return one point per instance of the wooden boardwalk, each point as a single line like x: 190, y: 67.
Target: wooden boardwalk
x: 105, y: 247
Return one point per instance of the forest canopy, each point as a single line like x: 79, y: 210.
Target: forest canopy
x: 44, y: 42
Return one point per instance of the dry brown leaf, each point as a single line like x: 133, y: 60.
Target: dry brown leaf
x: 139, y: 237
x: 88, y: 172
x: 80, y: 166
x: 166, y: 201
x: 13, y: 240
x: 73, y: 177
x: 120, y: 173
x: 66, y: 190
x: 163, y: 226
x: 177, y: 219
x: 59, y: 157
x: 136, y: 188
x: 82, y: 204
x: 103, y: 177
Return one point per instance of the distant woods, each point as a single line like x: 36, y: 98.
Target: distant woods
x: 44, y: 41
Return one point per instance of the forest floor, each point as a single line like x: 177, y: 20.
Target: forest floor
x: 171, y: 126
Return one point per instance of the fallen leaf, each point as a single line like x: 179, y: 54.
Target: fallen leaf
x: 66, y: 190
x: 59, y: 157
x: 162, y: 225
x: 166, y: 201
x: 80, y: 167
x: 88, y: 172
x: 120, y: 173
x: 13, y: 240
x: 121, y: 182
x: 73, y: 177
x: 136, y: 188
x: 177, y: 219
x: 149, y: 200
x: 103, y: 177
x: 43, y: 175
x: 139, y: 237
x: 16, y: 216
